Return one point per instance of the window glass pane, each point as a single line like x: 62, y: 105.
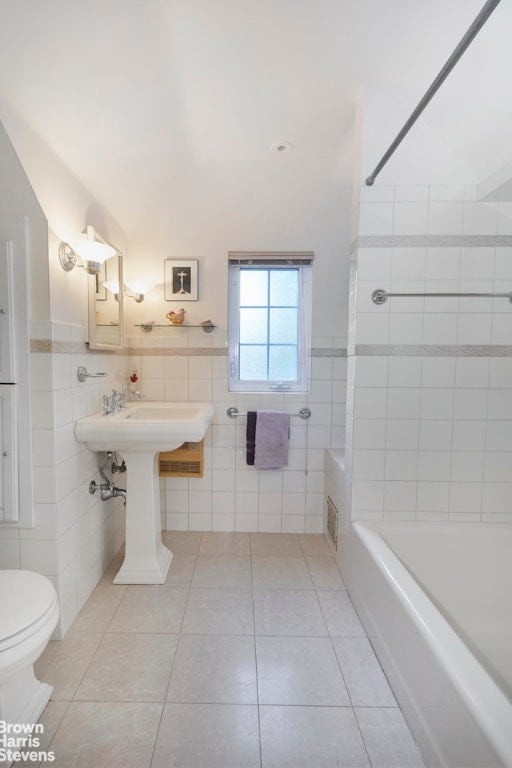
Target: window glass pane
x: 253, y: 287
x: 282, y: 363
x: 283, y: 326
x: 253, y: 326
x: 253, y: 363
x: 284, y: 287
x: 268, y: 326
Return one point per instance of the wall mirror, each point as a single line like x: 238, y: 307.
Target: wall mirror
x: 106, y: 304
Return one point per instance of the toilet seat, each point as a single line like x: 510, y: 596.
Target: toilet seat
x: 28, y: 601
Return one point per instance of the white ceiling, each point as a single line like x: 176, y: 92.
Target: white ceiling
x: 166, y: 105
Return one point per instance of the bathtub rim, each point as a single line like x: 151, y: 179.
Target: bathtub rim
x: 480, y: 694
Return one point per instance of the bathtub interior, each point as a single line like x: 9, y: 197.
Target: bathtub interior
x: 467, y: 573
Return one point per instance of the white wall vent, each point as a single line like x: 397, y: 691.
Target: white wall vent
x: 332, y: 521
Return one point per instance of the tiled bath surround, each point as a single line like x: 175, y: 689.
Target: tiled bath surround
x: 232, y: 496
x: 430, y: 379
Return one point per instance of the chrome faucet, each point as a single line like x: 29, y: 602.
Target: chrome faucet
x: 115, y: 402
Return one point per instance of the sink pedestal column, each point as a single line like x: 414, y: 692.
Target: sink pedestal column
x: 146, y: 560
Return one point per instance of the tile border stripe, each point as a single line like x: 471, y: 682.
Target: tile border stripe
x: 80, y: 348
x: 433, y: 241
x: 433, y: 350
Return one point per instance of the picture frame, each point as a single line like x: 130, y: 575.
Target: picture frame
x: 101, y: 277
x: 180, y: 279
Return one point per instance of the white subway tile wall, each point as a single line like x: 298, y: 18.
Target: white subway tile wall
x: 429, y: 435
x: 76, y: 534
x: 232, y: 496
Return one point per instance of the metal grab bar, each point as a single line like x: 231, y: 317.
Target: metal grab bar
x: 465, y: 41
x: 233, y: 412
x: 380, y: 296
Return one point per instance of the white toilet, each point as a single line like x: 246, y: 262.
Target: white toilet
x: 29, y: 611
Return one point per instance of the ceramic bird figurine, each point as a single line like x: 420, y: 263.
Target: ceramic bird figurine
x: 176, y: 318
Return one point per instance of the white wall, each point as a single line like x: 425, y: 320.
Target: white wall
x: 68, y: 207
x: 427, y: 155
x: 17, y: 200
x: 281, y: 211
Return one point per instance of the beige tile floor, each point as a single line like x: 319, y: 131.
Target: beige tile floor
x: 250, y: 655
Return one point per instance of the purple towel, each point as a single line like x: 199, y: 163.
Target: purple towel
x: 250, y: 437
x: 272, y: 435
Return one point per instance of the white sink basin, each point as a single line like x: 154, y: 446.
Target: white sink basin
x: 145, y: 426
x: 139, y: 433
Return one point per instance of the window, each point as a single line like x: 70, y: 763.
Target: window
x: 269, y: 322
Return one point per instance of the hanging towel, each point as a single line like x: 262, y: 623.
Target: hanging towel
x: 250, y: 437
x: 272, y: 435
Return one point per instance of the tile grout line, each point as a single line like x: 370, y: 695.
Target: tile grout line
x: 48, y: 749
x: 343, y: 676
x: 228, y: 703
x: 175, y: 653
x: 255, y: 654
x: 103, y: 633
x: 88, y: 665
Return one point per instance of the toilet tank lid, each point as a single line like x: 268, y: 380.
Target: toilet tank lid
x: 24, y: 598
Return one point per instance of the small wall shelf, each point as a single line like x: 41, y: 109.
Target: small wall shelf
x: 148, y: 327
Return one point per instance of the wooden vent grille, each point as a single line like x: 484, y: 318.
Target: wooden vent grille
x: 185, y: 461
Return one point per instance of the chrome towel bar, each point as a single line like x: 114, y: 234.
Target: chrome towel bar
x: 380, y: 296
x: 232, y: 412
x: 82, y: 374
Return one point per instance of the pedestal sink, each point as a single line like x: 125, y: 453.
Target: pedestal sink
x: 139, y: 432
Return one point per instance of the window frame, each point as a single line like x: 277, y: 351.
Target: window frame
x: 235, y: 384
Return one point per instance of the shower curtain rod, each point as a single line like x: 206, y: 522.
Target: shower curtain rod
x: 466, y: 40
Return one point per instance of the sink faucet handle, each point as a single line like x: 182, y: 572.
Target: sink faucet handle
x: 114, y: 401
x: 135, y: 395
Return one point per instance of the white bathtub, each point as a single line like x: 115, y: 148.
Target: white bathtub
x: 436, y: 602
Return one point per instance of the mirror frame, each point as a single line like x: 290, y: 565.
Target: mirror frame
x: 91, y: 286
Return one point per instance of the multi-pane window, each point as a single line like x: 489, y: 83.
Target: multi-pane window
x: 269, y: 324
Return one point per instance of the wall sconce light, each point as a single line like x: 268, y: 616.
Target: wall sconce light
x: 91, y: 251
x: 113, y: 287
x: 135, y: 289
x: 138, y: 289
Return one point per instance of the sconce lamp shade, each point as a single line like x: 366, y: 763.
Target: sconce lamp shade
x: 112, y: 286
x: 93, y: 253
x: 139, y: 288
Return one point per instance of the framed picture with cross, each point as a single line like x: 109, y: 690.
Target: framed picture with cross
x: 180, y: 280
